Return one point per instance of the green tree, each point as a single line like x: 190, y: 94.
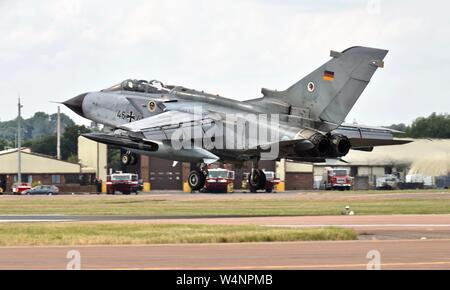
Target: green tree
x: 36, y: 127
x: 399, y: 127
x: 44, y: 145
x: 114, y: 159
x: 73, y: 159
x: 435, y: 126
x: 69, y: 140
x: 3, y: 144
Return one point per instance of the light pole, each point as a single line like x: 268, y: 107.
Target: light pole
x: 58, y: 134
x: 19, y: 143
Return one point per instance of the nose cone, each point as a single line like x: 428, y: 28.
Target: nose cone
x: 76, y: 104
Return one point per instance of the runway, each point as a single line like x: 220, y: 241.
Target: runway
x: 262, y: 256
x: 368, y: 227
x: 403, y: 241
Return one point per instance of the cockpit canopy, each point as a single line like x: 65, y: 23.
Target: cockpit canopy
x: 141, y: 86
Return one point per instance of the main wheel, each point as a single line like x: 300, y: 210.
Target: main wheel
x: 257, y: 180
x: 197, y: 180
x: 126, y: 159
x: 129, y: 158
x: 134, y: 159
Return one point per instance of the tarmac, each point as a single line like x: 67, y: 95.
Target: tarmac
x: 403, y: 242
x: 393, y: 254
x: 382, y: 227
x: 400, y: 241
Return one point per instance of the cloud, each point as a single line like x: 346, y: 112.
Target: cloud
x: 52, y: 50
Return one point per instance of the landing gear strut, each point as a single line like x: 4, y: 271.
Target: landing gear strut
x: 197, y: 179
x: 129, y: 158
x: 257, y: 179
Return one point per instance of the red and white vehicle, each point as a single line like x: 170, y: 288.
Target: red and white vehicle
x: 220, y: 180
x: 126, y: 183
x: 337, y: 179
x: 19, y: 188
x: 271, y: 181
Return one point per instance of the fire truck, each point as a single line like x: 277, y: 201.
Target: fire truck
x: 19, y: 188
x: 126, y: 183
x: 337, y: 179
x: 220, y: 180
x: 271, y: 182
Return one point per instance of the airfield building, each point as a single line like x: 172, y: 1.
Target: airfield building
x: 43, y: 169
x: 426, y: 161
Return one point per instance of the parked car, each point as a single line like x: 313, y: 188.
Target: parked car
x: 388, y: 182
x: 42, y: 190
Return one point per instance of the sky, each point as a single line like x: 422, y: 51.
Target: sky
x: 52, y: 50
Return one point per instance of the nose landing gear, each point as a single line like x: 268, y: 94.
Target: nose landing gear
x: 129, y: 158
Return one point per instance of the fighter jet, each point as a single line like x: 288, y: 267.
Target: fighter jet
x: 303, y: 123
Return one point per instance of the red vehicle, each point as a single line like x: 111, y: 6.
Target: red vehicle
x: 126, y: 183
x: 337, y: 179
x: 19, y: 188
x: 271, y: 182
x: 219, y: 180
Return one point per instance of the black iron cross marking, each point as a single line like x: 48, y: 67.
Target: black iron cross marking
x: 131, y: 117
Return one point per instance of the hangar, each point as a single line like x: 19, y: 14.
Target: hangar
x: 430, y: 158
x: 43, y: 169
x: 427, y: 158
x: 423, y: 158
x: 38, y: 168
x: 163, y: 175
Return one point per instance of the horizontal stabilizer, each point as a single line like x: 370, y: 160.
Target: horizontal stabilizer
x: 367, y: 143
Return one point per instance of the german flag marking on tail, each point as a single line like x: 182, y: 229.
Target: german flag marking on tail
x: 328, y: 75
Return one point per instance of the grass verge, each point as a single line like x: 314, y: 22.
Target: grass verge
x: 51, y: 234
x: 145, y: 206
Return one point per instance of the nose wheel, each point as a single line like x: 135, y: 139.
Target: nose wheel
x: 257, y: 180
x: 129, y: 158
x: 197, y: 179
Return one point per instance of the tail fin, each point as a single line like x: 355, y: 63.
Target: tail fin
x: 331, y: 91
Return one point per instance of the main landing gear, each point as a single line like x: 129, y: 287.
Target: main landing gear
x: 197, y: 179
x: 257, y: 180
x: 129, y: 158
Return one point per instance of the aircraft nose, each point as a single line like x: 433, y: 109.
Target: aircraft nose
x: 76, y: 104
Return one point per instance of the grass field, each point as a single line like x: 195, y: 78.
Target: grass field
x: 116, y: 234
x: 224, y: 205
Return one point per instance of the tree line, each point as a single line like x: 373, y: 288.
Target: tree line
x: 39, y: 134
x: 435, y: 126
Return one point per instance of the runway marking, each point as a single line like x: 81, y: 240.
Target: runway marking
x: 224, y: 244
x: 35, y: 221
x: 284, y: 267
x: 365, y: 226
